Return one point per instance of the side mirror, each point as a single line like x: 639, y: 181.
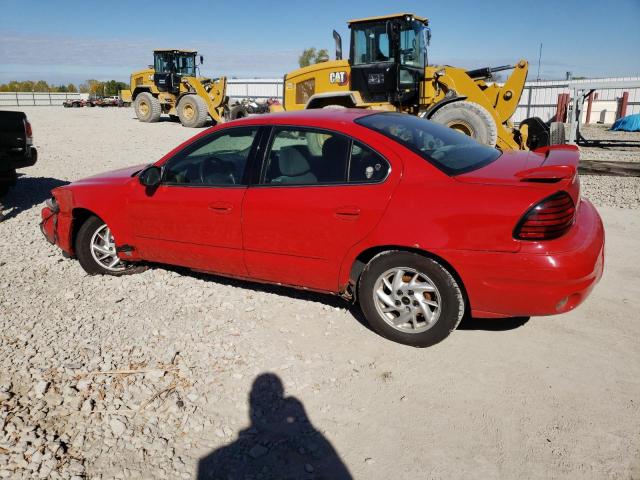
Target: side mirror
x: 150, y: 176
x: 201, y: 59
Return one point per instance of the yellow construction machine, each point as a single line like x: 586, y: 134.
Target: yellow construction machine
x: 171, y: 86
x: 387, y: 69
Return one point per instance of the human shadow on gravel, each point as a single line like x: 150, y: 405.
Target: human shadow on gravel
x: 27, y: 193
x: 280, y: 443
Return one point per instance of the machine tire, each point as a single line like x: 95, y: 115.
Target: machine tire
x: 237, y: 111
x: 469, y: 118
x: 192, y: 111
x: 147, y: 108
x: 447, y: 295
x: 557, y: 135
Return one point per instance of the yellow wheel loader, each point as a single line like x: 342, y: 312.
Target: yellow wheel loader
x: 171, y: 86
x: 387, y: 69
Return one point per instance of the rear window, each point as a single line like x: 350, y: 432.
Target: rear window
x: 450, y: 151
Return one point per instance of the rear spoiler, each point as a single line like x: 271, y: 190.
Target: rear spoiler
x: 560, y: 162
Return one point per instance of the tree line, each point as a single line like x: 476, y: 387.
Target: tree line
x: 93, y: 87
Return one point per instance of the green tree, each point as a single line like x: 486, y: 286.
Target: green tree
x: 41, y: 86
x: 71, y: 88
x: 309, y: 56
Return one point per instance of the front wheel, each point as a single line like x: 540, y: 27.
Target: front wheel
x: 410, y: 299
x: 96, y: 250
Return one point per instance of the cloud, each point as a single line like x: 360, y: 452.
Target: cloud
x: 58, y: 56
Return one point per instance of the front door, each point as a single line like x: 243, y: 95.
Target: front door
x: 193, y: 218
x: 319, y: 194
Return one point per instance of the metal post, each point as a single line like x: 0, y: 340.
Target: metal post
x: 539, y: 60
x: 622, y: 108
x: 17, y: 99
x: 590, y: 99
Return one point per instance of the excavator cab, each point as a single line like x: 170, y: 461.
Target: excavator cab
x: 388, y: 57
x: 170, y: 66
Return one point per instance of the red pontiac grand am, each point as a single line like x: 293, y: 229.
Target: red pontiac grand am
x: 417, y: 223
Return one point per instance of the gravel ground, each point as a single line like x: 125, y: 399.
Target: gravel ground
x: 171, y: 374
x: 613, y: 146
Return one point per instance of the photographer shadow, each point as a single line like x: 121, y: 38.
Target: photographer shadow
x: 280, y: 443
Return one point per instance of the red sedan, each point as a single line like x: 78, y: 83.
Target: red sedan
x: 417, y: 223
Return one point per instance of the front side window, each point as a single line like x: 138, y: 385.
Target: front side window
x: 371, y: 44
x: 216, y: 160
x: 450, y: 151
x: 413, y: 45
x: 186, y: 65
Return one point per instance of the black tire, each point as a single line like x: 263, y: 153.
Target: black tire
x: 147, y: 108
x: 557, y: 134
x: 82, y: 246
x: 192, y: 111
x: 237, y: 111
x: 451, y: 299
x: 469, y: 118
x: 4, y: 189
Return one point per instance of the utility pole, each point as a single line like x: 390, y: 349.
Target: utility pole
x: 539, y: 59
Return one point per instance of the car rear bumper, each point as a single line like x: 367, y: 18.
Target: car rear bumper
x: 20, y: 159
x: 531, y: 284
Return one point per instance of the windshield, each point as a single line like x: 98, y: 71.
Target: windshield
x: 166, y: 62
x: 371, y: 44
x: 450, y: 151
x: 413, y: 49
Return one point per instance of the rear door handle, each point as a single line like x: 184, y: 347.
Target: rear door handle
x: 222, y: 208
x: 348, y: 212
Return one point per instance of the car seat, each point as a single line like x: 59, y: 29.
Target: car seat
x: 294, y: 168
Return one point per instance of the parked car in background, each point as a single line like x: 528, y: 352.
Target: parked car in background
x: 76, y: 103
x: 16, y: 148
x: 416, y: 222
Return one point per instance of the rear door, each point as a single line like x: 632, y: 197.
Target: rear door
x: 194, y: 217
x: 318, y: 194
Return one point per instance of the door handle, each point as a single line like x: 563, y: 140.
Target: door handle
x: 347, y: 212
x: 222, y: 208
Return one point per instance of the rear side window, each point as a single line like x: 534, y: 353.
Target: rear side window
x: 304, y: 156
x: 450, y: 151
x: 366, y: 166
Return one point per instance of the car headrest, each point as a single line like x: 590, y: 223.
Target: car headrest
x: 292, y: 162
x: 335, y: 148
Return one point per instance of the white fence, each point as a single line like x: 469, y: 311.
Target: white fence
x: 21, y: 99
x: 539, y: 99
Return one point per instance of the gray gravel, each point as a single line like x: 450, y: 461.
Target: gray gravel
x: 150, y: 376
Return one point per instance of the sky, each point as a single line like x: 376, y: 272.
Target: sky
x: 72, y: 41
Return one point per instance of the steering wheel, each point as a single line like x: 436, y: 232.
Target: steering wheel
x: 213, y: 165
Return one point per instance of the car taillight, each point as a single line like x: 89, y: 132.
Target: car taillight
x: 28, y: 132
x: 547, y: 220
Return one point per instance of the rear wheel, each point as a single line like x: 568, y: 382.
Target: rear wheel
x: 192, y: 111
x: 147, y: 108
x: 409, y: 298
x: 96, y: 250
x: 469, y: 118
